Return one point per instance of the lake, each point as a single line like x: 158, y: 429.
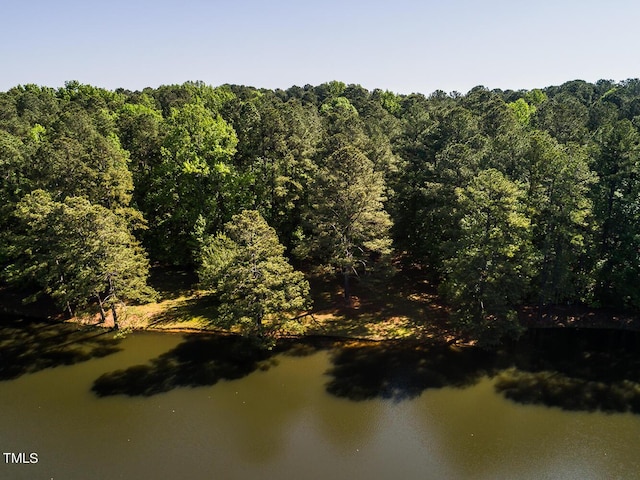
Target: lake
x: 557, y: 405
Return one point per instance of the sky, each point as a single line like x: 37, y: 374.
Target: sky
x: 402, y: 45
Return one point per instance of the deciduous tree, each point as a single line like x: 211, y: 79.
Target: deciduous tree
x: 194, y: 179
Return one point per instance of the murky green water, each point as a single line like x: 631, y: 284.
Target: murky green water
x: 156, y: 406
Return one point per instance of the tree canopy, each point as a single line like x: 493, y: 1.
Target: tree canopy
x: 503, y: 198
x: 348, y: 222
x: 76, y: 252
x: 259, y: 290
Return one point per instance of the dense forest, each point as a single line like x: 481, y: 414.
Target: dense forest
x: 504, y: 198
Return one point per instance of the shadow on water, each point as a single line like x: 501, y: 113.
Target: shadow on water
x: 398, y: 371
x: 201, y: 360
x: 359, y: 370
x: 572, y: 369
x: 28, y: 346
x: 575, y: 370
x: 567, y: 368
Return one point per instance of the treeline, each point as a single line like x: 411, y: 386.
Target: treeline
x: 504, y: 197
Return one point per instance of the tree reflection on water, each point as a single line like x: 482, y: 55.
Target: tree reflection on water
x: 571, y: 369
x: 575, y: 370
x: 400, y: 371
x: 28, y: 346
x: 201, y: 360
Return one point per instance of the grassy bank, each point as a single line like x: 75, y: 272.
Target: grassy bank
x: 402, y: 307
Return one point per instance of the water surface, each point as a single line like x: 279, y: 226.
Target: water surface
x: 161, y: 406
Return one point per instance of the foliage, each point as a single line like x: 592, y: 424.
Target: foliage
x: 349, y: 224
x: 488, y: 266
x: 193, y: 178
x: 76, y: 252
x: 522, y: 110
x: 342, y: 174
x: 259, y: 291
x: 277, y: 143
x: 616, y: 199
x: 558, y: 183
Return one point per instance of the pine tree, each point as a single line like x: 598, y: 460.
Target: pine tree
x: 616, y: 206
x: 488, y: 266
x: 259, y: 290
x: 77, y: 253
x: 349, y: 223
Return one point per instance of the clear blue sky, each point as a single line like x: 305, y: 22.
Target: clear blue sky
x: 402, y: 45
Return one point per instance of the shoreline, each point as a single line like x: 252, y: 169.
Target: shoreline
x: 406, y: 308
x: 561, y: 318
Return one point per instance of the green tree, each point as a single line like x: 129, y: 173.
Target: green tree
x: 558, y: 183
x: 139, y: 129
x: 487, y: 270
x: 616, y: 198
x: 522, y: 110
x: 194, y: 179
x: 349, y: 223
x: 342, y: 125
x: 76, y: 252
x: 169, y: 97
x: 73, y: 158
x: 259, y: 290
x: 442, y: 148
x: 24, y: 106
x: 276, y: 145
x: 564, y: 117
x: 13, y: 166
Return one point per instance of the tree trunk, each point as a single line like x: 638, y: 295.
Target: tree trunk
x: 112, y: 297
x: 258, y: 325
x: 347, y: 287
x: 115, y: 316
x: 103, y: 315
